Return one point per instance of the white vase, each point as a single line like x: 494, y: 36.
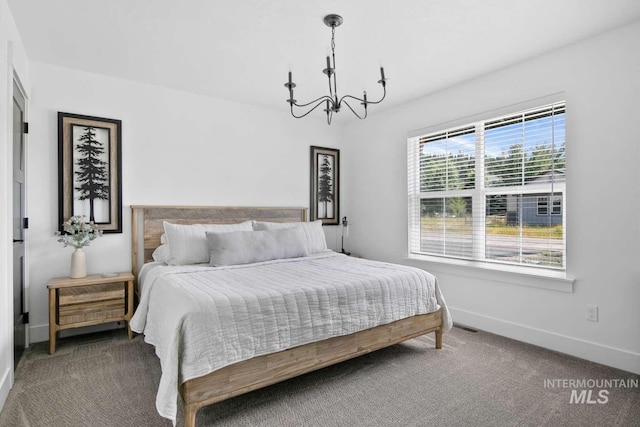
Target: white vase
x: 78, y: 264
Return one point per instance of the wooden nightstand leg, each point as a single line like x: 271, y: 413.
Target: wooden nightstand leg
x: 52, y: 321
x: 129, y: 307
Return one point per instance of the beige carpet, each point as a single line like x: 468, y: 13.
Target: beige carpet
x: 478, y: 379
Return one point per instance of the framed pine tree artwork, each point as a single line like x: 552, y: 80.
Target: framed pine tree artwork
x: 325, y: 185
x: 90, y: 170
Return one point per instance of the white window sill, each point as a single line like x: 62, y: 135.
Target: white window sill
x: 511, y: 274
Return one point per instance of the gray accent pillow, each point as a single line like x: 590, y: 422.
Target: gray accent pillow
x: 188, y: 243
x: 313, y: 233
x: 246, y: 247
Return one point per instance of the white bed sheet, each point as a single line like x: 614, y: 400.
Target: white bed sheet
x: 216, y: 316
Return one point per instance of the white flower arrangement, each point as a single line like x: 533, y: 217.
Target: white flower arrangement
x: 78, y: 233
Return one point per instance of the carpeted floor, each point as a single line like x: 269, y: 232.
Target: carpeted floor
x: 478, y: 379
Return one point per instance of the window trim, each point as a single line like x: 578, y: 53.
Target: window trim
x: 534, y: 277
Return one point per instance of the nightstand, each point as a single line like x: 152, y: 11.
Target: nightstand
x: 91, y: 300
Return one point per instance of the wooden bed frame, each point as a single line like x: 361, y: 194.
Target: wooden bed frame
x: 265, y: 370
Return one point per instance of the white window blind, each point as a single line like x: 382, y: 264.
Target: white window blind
x: 492, y: 190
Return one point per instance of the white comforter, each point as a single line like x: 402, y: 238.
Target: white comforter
x: 201, y: 318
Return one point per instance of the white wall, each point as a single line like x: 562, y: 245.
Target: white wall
x: 600, y: 78
x: 13, y: 60
x: 177, y: 148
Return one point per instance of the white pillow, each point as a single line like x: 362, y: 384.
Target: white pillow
x: 188, y: 243
x: 246, y: 247
x: 161, y: 254
x: 316, y: 241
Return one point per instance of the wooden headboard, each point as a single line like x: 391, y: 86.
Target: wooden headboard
x: 146, y: 222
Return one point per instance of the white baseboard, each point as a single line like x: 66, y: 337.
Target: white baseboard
x: 5, y: 385
x: 606, y: 355
x: 38, y: 333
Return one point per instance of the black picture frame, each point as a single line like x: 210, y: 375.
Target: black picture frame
x: 90, y: 170
x: 325, y: 185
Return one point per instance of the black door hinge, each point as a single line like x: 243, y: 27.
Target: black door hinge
x: 25, y: 223
x: 25, y: 318
x: 25, y: 127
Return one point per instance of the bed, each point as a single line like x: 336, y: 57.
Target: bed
x: 202, y: 319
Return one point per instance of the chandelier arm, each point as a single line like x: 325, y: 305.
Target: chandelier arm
x: 314, y: 107
x: 322, y: 98
x: 354, y: 97
x: 354, y: 111
x: 384, y: 94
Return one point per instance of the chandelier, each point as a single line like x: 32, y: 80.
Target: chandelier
x: 332, y: 102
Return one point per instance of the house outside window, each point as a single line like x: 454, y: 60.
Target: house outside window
x: 491, y: 191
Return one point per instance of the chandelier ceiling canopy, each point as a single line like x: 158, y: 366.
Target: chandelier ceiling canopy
x: 332, y: 102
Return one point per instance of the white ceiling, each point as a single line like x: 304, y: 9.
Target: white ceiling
x: 242, y: 50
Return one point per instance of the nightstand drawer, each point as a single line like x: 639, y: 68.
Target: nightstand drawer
x: 90, y: 303
x: 90, y: 311
x: 93, y: 293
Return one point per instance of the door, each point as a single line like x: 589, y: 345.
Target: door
x: 19, y: 223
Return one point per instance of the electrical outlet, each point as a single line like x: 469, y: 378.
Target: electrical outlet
x: 592, y: 313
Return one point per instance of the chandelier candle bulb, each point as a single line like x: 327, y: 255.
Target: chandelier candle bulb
x: 382, y: 74
x: 328, y: 63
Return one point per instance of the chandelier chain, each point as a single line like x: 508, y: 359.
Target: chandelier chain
x: 333, y: 39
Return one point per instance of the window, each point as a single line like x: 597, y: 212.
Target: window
x: 543, y: 205
x: 492, y: 190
